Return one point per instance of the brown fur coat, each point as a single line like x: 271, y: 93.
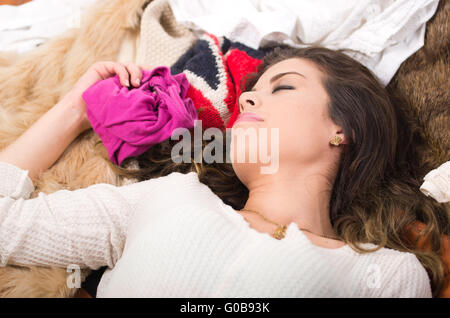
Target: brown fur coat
x: 33, y: 83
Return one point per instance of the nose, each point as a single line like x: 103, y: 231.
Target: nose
x: 247, y: 100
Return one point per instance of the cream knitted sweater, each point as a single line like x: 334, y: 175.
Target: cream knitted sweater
x: 173, y: 237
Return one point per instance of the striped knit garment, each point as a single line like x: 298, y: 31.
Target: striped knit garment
x: 215, y: 68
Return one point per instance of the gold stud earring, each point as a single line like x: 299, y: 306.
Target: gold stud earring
x: 336, y: 141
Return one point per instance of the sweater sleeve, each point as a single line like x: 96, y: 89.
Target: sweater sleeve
x: 85, y: 227
x: 410, y: 280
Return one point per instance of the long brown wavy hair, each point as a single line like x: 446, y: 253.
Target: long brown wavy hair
x: 376, y: 193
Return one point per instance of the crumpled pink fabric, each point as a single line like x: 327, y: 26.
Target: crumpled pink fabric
x: 131, y: 120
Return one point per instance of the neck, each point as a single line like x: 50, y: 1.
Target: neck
x: 302, y: 199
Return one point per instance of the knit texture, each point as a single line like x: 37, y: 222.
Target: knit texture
x: 215, y: 68
x: 162, y: 39
x: 213, y: 65
x: 173, y: 237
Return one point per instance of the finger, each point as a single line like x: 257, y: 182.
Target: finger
x: 135, y: 73
x: 108, y: 69
x: 122, y: 71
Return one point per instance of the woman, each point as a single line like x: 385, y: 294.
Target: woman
x: 174, y: 236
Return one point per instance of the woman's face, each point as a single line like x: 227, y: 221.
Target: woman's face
x: 289, y: 97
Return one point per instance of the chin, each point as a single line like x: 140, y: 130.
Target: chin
x: 246, y: 171
x: 255, y: 152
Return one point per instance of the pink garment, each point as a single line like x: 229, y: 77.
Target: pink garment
x: 130, y: 121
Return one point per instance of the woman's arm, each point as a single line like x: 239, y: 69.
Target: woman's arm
x: 41, y: 145
x: 85, y: 227
x: 408, y: 279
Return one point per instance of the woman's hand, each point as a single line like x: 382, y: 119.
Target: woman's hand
x: 129, y: 73
x: 42, y: 144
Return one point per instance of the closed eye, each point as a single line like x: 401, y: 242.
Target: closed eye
x: 282, y: 87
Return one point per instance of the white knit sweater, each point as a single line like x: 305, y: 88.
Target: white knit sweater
x: 173, y: 237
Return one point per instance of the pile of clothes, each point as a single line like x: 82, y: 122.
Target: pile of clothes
x: 205, y: 85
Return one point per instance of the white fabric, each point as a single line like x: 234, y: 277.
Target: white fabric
x: 173, y: 237
x: 437, y: 183
x: 381, y: 34
x: 24, y: 27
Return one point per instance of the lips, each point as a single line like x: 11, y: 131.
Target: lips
x: 248, y: 117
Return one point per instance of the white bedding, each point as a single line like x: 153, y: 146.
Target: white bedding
x: 381, y: 34
x: 24, y: 27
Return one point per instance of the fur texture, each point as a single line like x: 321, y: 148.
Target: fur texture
x: 29, y: 86
x: 423, y: 82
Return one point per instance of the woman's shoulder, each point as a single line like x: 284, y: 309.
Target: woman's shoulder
x: 390, y: 260
x: 175, y: 178
x: 386, y: 254
x: 401, y: 273
x: 172, y: 183
x: 407, y: 278
x: 192, y: 175
x: 178, y: 182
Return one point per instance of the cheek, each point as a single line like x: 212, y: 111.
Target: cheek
x: 302, y: 135
x: 293, y: 124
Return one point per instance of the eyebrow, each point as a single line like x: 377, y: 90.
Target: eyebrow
x: 274, y: 78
